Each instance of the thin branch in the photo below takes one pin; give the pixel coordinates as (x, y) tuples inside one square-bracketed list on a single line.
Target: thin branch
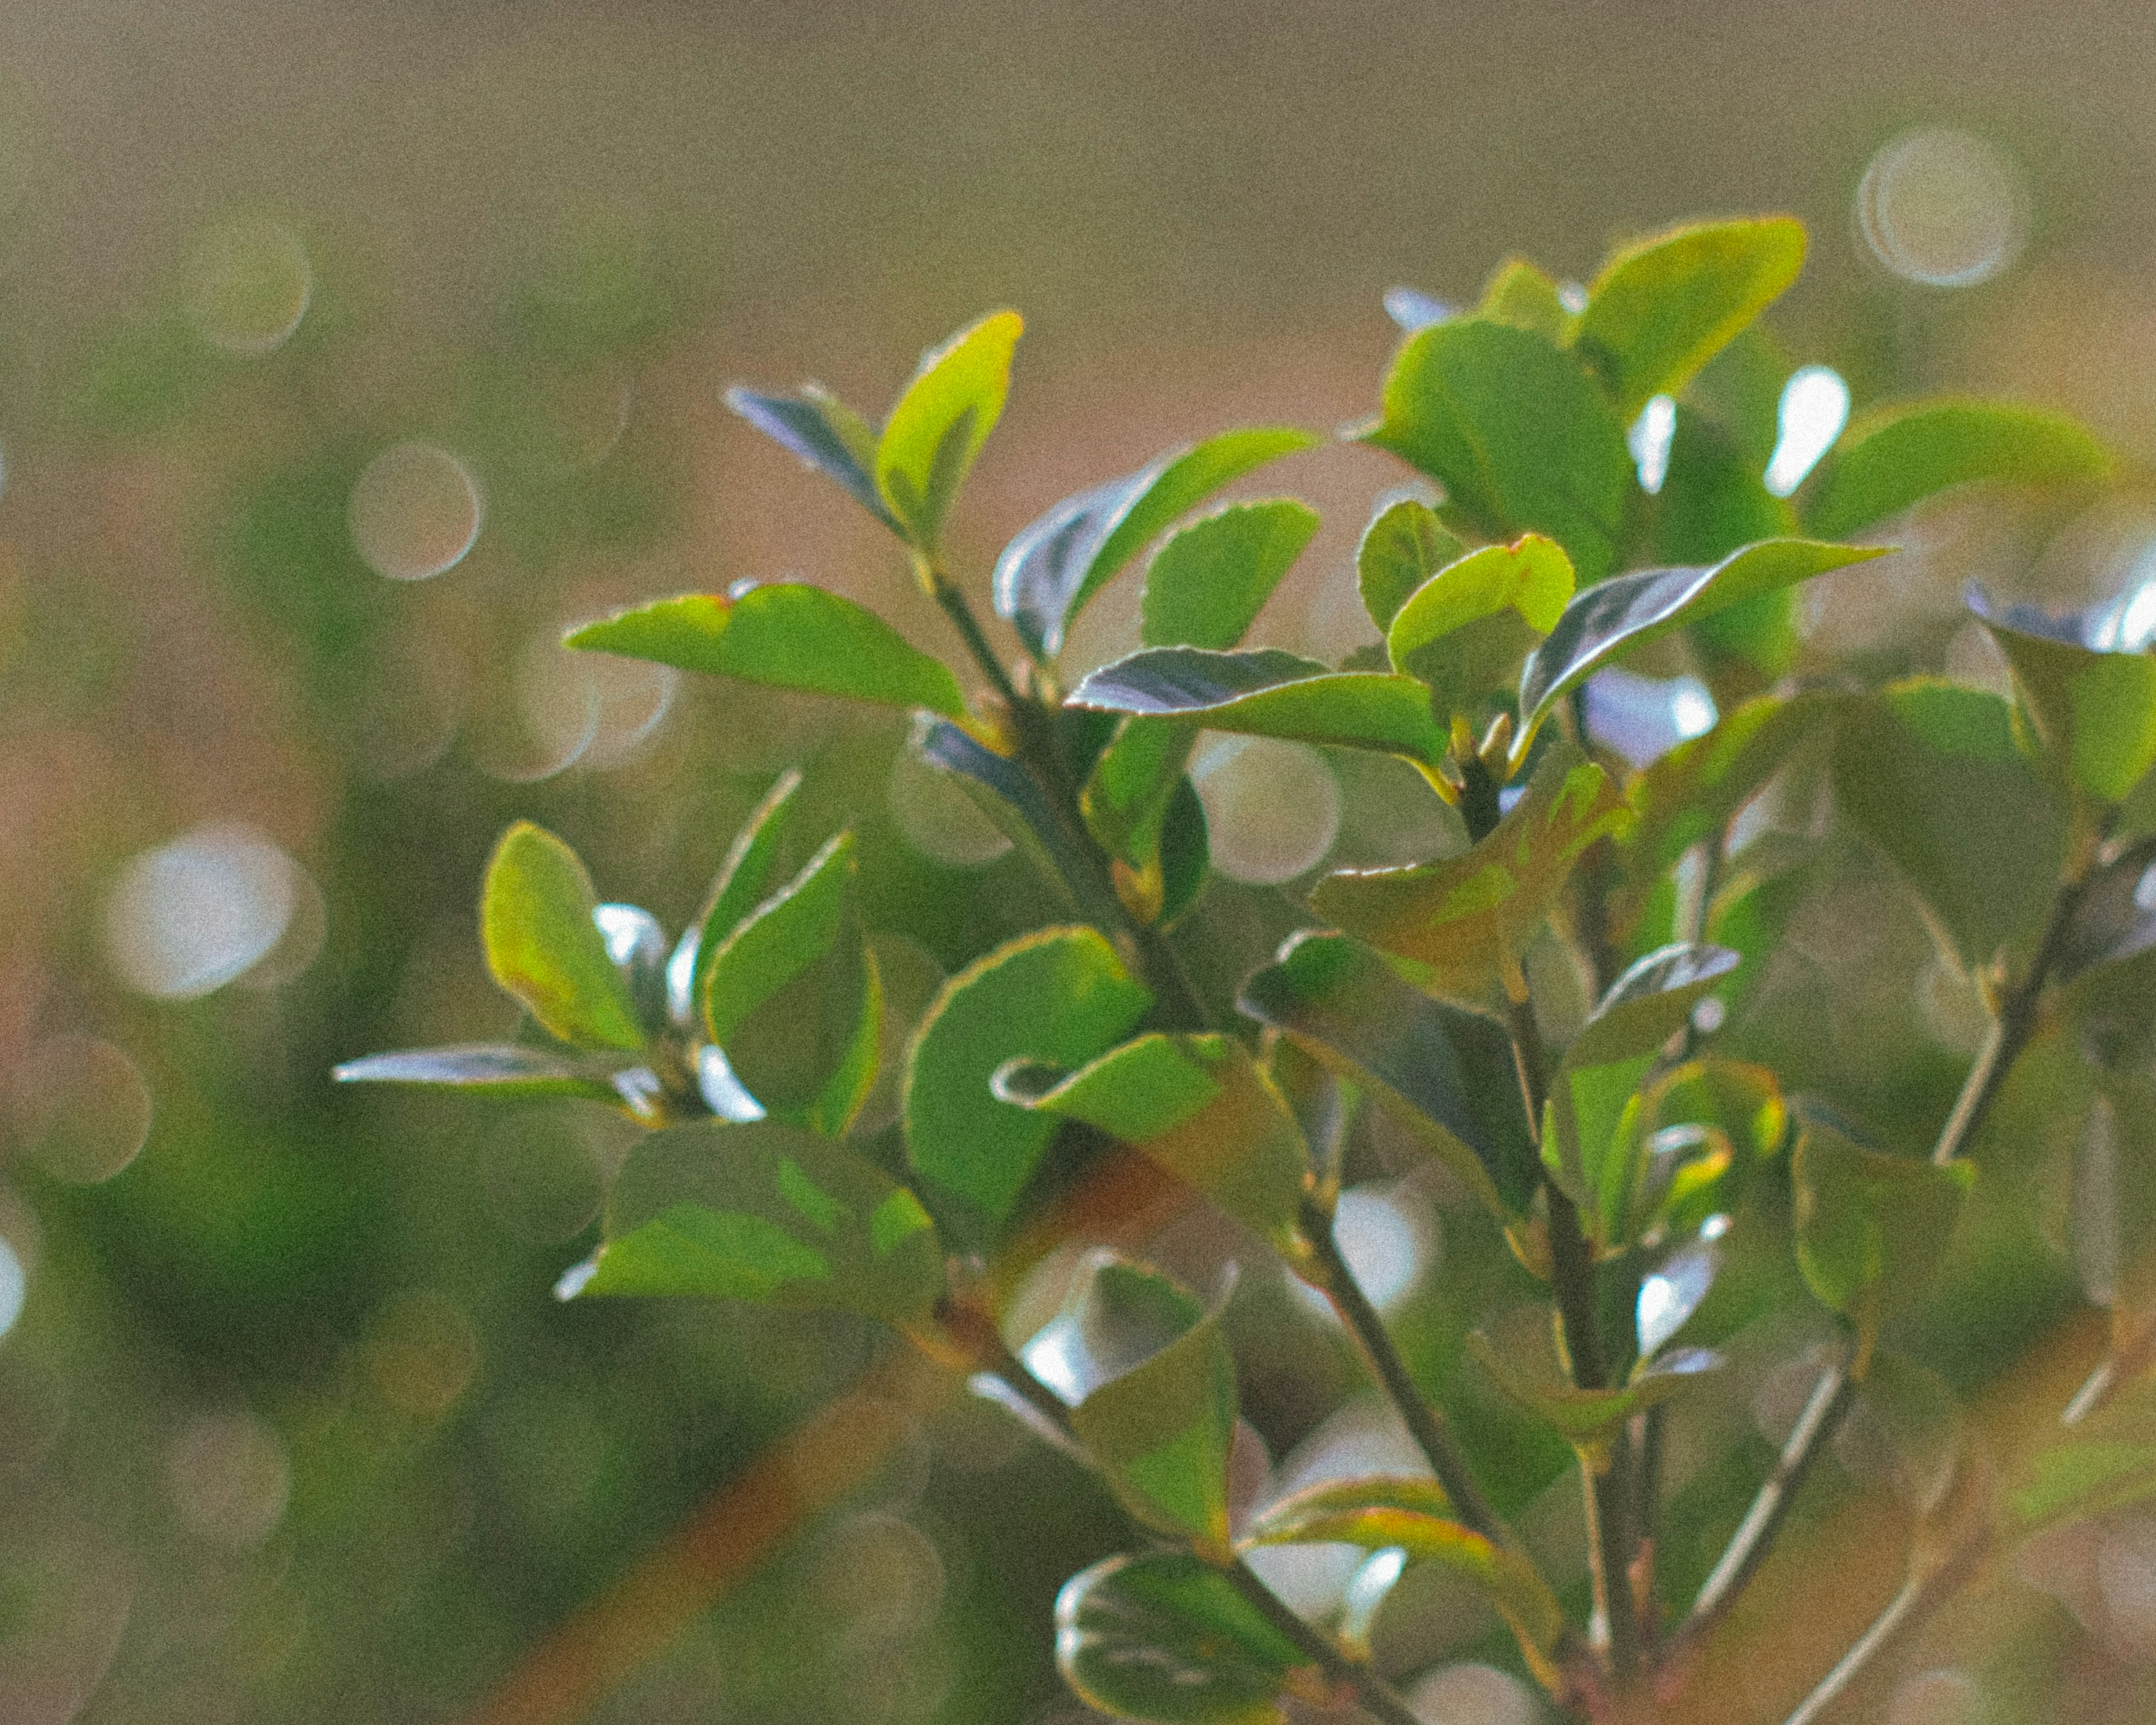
[(1884, 1628), (1377, 1697)]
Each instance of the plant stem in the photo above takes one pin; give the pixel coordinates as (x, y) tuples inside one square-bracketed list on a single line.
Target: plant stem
[(1376, 1697), (1883, 1630), (1425, 1424), (946, 593)]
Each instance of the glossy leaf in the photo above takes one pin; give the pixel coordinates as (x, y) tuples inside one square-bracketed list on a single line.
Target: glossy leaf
[(1059, 995), (1198, 1106), (637, 945), (1269, 693), (1928, 772), (1590, 1417), (1166, 1639), (1467, 918), (793, 998), (1331, 1510), (1889, 460), (1623, 614), (738, 888), (1521, 439), (543, 946), (2095, 710), (825, 433), (1872, 1228), (1671, 1291), (787, 635), (1160, 1423), (1048, 573), (769, 1213), (511, 1073), (1403, 546), (940, 422), (1444, 1072), (1208, 582), (1664, 306), (1466, 630)]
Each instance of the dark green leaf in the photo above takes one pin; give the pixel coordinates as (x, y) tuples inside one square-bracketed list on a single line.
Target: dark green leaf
[(1890, 460), (1928, 772), (1444, 1072), (1165, 1638), (824, 434), (512, 1074), (941, 421), (1466, 630), (543, 946), (2114, 919), (1269, 693), (766, 1213), (1589, 1417), (1664, 306), (1208, 582), (1517, 432), (2094, 709), (1403, 546), (1197, 1105), (1605, 623), (1125, 801), (1649, 1004), (1872, 1228), (1185, 853), (1060, 995), (1466, 919), (788, 635), (737, 889), (1047, 574), (792, 998)]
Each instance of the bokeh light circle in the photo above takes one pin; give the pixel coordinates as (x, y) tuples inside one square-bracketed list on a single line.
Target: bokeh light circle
[(1943, 207), (191, 915), (249, 286), (1935, 1697), (415, 512), (79, 1108), (1272, 809), (1471, 1695), (229, 1479)]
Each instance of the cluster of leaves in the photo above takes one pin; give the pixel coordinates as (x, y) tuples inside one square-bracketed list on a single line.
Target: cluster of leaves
[(1611, 1152)]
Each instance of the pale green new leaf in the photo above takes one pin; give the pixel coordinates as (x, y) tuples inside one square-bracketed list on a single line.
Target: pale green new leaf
[(543, 946), (940, 422), (1466, 630)]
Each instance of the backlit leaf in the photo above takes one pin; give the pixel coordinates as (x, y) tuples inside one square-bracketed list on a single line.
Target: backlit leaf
[(1520, 294), (1466, 630), (1207, 583), (738, 888), (787, 635), (1403, 546), (940, 422), (2094, 709), (543, 946), (1888, 461)]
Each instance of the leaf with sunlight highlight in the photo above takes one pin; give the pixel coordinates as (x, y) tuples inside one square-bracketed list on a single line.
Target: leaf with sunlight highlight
[(543, 946), (1208, 582), (825, 433), (1890, 460), (1466, 628), (939, 423)]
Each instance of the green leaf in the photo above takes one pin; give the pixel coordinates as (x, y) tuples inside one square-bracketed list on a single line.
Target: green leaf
[(512, 1074), (1928, 772), (1466, 630), (1520, 295), (1605, 623), (1592, 1100), (1125, 801), (825, 433), (1403, 546), (1519, 436), (1890, 460), (1166, 1639), (1208, 582), (1467, 918), (2095, 710), (1269, 693), (787, 635), (1047, 574), (794, 998), (737, 889), (1872, 1228), (543, 946), (1186, 854), (1664, 306), (2083, 1477), (1161, 1416), (1445, 1073), (1198, 1106), (766, 1213), (1059, 995), (1413, 1516), (941, 421), (1588, 1418)]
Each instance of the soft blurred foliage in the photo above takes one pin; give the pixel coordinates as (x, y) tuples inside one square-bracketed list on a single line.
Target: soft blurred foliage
[(346, 356)]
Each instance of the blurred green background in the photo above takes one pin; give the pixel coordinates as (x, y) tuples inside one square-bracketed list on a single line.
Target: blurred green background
[(345, 355)]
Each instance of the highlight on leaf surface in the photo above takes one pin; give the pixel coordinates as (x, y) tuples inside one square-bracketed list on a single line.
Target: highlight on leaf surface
[(1466, 630), (737, 890), (787, 635), (1051, 569), (1403, 546), (543, 946), (768, 1213), (2089, 687), (937, 427), (511, 1073)]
